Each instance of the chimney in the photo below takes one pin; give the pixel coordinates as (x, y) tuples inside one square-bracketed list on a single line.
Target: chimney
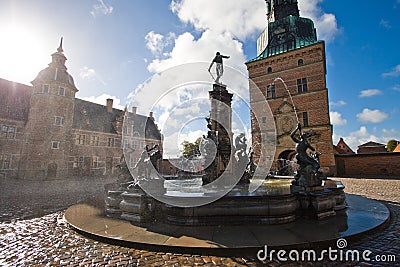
[(109, 105), (134, 109), (151, 115)]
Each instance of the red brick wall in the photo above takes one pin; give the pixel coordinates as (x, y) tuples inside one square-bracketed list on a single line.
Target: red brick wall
[(369, 165), (371, 150)]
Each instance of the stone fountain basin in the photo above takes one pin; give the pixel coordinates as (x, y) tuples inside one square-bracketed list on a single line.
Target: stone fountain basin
[(271, 203)]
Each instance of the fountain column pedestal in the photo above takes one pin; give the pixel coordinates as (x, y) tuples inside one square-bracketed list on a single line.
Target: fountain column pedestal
[(220, 130), (320, 202)]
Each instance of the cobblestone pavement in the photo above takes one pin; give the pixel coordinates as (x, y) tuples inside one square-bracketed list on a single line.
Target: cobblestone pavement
[(25, 199), (47, 240)]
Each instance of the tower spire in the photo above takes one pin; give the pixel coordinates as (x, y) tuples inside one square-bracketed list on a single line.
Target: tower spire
[(60, 49)]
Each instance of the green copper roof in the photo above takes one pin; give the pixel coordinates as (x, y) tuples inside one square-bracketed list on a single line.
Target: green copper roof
[(287, 34)]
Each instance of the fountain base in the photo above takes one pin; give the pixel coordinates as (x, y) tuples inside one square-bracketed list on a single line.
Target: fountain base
[(267, 205)]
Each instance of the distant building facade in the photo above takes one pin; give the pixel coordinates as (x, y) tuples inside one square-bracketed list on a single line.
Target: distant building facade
[(289, 49), (371, 148), (46, 132)]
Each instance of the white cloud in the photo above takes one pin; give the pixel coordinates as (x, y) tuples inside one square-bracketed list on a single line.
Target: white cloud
[(87, 73), (325, 23), (391, 134), (393, 73), (385, 24), (102, 100), (336, 119), (101, 8), (186, 49), (340, 103), (156, 42), (369, 93), (396, 87), (241, 18), (372, 116)]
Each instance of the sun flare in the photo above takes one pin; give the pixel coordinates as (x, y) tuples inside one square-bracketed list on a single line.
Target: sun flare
[(22, 55)]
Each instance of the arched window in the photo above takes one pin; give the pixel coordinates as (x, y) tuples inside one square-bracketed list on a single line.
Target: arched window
[(300, 62), (269, 70)]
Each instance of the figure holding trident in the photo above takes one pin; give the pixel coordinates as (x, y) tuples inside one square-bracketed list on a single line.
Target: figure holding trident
[(220, 68)]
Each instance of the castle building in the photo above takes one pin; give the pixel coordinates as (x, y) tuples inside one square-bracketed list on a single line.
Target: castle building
[(289, 49), (46, 132)]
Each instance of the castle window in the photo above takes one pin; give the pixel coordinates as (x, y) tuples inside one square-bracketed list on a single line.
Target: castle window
[(7, 132), (80, 139), (78, 162), (95, 162), (75, 163), (300, 62), (125, 130), (302, 85), (59, 121), (125, 143), (271, 93), (134, 144), (55, 145), (111, 142), (142, 144), (94, 140), (264, 119), (305, 119), (4, 162), (269, 70), (45, 88), (61, 91)]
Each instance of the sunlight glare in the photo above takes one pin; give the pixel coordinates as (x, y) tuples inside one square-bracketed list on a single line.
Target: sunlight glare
[(22, 55)]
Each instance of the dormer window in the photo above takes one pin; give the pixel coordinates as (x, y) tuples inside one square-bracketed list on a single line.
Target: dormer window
[(61, 91)]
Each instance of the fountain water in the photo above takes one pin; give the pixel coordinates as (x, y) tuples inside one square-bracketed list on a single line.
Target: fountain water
[(290, 95)]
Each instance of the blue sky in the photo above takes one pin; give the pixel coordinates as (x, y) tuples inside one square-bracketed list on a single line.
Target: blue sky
[(113, 46)]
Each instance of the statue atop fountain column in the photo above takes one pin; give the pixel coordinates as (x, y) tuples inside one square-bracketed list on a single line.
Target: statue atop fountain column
[(220, 67)]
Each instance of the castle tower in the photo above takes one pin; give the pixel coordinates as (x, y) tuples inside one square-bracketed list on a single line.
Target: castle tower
[(49, 125), (288, 49)]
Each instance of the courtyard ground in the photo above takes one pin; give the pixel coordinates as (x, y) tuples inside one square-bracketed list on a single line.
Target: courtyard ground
[(34, 233)]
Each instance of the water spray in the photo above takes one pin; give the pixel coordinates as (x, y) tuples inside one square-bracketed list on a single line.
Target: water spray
[(290, 95)]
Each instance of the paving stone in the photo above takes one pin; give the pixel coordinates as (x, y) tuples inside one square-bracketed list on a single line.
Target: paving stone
[(48, 241)]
